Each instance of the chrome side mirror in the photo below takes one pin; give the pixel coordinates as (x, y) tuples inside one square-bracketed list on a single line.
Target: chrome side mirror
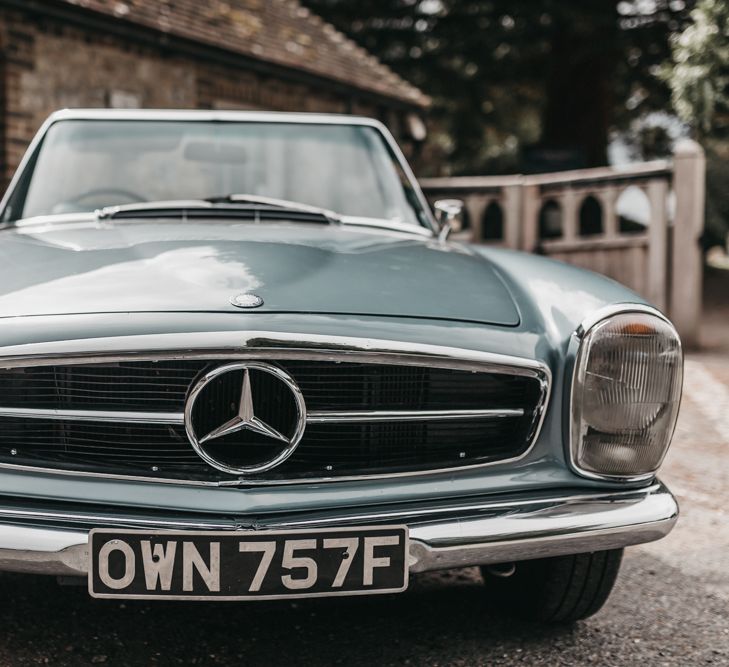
[(449, 215)]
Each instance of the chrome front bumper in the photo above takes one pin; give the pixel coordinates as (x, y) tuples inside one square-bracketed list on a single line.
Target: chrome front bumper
[(447, 535)]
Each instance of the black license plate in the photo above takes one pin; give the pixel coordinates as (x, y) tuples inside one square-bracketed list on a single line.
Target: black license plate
[(207, 565)]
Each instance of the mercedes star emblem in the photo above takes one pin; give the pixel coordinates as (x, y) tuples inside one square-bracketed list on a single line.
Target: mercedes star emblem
[(222, 405), (246, 300)]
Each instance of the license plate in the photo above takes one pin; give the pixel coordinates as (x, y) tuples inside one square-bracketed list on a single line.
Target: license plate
[(209, 565)]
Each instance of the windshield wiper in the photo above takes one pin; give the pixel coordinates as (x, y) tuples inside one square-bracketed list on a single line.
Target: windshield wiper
[(274, 203), (331, 216), (250, 207)]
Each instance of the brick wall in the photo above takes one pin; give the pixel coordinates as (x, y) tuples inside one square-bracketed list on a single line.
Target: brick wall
[(47, 65)]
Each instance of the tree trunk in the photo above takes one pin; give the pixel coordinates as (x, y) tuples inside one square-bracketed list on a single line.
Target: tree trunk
[(579, 99)]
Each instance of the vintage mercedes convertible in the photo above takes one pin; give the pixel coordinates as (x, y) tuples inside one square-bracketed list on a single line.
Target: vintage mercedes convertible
[(241, 359)]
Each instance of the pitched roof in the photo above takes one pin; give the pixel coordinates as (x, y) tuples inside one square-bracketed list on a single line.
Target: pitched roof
[(276, 31)]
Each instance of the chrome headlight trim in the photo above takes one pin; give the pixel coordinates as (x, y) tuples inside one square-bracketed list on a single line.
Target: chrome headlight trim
[(617, 309), (587, 324)]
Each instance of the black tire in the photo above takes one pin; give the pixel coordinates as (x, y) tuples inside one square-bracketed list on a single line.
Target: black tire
[(563, 589)]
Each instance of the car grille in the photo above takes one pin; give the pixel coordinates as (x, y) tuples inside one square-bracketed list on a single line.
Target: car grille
[(64, 416)]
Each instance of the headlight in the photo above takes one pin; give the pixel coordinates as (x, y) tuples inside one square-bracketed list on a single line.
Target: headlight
[(626, 392)]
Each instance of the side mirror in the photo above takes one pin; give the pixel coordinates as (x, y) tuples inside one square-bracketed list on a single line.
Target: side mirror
[(449, 215)]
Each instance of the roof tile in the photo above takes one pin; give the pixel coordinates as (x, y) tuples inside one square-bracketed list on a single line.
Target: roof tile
[(277, 31)]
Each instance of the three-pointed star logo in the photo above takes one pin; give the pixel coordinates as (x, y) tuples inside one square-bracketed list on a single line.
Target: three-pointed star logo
[(245, 419)]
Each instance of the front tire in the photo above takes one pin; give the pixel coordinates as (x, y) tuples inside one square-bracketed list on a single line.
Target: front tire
[(562, 589)]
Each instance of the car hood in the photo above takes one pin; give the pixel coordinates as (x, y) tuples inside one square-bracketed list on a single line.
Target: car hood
[(87, 267)]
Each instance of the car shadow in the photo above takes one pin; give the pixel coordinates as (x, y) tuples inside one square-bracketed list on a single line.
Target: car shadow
[(656, 615), (438, 613)]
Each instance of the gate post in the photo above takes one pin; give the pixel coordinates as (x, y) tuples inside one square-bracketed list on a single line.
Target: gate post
[(530, 206), (512, 207), (689, 174), (657, 279)]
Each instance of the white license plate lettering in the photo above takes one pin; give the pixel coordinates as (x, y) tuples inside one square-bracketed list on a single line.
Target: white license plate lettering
[(370, 560), (293, 562), (350, 546), (268, 549), (129, 570), (193, 562), (158, 563), (233, 565)]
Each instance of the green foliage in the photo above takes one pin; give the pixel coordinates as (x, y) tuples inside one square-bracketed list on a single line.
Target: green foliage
[(698, 76), (699, 73), (507, 75)]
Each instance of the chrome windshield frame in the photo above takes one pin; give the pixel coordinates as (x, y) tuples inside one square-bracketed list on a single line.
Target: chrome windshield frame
[(221, 116)]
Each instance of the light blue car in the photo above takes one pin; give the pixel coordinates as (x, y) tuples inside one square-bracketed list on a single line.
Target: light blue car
[(240, 359)]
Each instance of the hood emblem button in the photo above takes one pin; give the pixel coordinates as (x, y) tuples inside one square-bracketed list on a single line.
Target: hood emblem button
[(246, 301)]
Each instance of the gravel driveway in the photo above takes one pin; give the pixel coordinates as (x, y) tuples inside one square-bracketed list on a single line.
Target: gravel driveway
[(670, 606)]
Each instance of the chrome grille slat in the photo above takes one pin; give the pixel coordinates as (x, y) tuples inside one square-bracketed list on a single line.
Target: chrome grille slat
[(315, 417), (95, 416), (332, 417)]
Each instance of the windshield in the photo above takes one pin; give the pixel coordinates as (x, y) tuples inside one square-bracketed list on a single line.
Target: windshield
[(83, 165)]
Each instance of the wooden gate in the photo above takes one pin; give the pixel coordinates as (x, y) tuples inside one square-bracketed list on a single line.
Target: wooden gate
[(640, 225)]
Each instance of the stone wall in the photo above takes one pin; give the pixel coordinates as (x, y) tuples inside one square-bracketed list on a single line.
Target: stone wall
[(48, 65)]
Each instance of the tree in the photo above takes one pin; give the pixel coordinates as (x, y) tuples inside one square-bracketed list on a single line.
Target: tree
[(698, 76), (699, 72), (506, 76)]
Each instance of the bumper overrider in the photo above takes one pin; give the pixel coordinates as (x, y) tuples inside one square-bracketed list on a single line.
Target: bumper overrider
[(450, 534)]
